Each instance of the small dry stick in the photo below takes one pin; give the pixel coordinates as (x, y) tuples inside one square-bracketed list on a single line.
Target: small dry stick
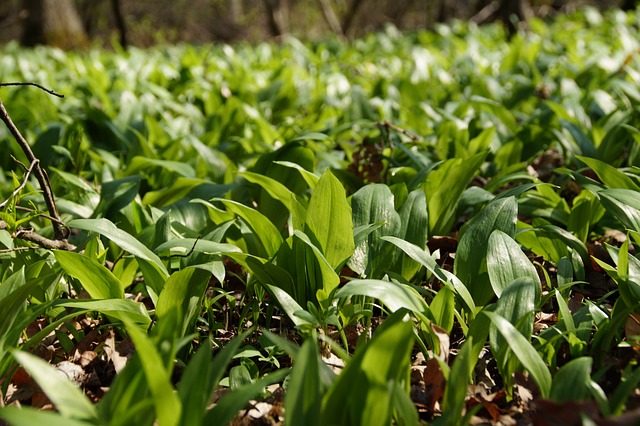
[(400, 130), (28, 83), (60, 231), (33, 237), (22, 185)]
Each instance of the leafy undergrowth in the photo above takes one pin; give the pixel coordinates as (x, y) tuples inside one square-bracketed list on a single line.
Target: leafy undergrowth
[(437, 227)]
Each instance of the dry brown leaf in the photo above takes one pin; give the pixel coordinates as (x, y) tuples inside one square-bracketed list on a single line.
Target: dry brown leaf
[(434, 382)]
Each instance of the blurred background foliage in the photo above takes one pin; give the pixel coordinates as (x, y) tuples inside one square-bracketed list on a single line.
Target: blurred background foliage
[(84, 23)]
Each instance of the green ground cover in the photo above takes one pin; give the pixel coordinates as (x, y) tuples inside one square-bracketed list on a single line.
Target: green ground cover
[(436, 227)]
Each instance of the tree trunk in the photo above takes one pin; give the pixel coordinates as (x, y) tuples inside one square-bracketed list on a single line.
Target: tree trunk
[(277, 16), (628, 5), (330, 17), (512, 12), (53, 22), (116, 7)]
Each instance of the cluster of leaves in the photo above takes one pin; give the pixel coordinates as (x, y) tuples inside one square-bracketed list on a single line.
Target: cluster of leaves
[(437, 213)]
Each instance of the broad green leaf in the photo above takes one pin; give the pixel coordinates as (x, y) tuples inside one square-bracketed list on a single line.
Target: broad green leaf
[(329, 222), (624, 204), (96, 279), (195, 245), (182, 294), (393, 295), (165, 400), (421, 256), (443, 189), (310, 178), (288, 305), (123, 239), (455, 393), (266, 232), (526, 353), (470, 264), (443, 308), (506, 262), (325, 279), (200, 379), (572, 381), (120, 309), (66, 396), (414, 226), (117, 194), (305, 388), (567, 238), (628, 385), (517, 305), (141, 165), (27, 416), (609, 175), (281, 193), (229, 405), (374, 204), (376, 369)]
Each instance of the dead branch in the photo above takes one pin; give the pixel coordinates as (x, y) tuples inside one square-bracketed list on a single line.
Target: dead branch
[(390, 126), (60, 231), (28, 83), (31, 236)]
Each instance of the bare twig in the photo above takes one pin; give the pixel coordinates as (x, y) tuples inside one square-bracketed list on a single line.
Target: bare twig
[(22, 185), (28, 83), (33, 237), (390, 126), (11, 250), (60, 231)]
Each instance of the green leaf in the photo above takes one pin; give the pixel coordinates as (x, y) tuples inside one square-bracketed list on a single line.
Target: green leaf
[(281, 193), (443, 308), (470, 264), (329, 222), (374, 204), (414, 226), (182, 294), (453, 400), (229, 405), (266, 232), (517, 305), (609, 175), (305, 388), (572, 381), (123, 239), (443, 189), (66, 396), (120, 309), (624, 204), (526, 353), (30, 416), (419, 255), (377, 370), (506, 262), (196, 245), (165, 400), (99, 282)]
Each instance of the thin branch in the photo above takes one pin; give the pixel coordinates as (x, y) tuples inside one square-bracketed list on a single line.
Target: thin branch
[(27, 83), (47, 243), (60, 231), (33, 237), (22, 185), (390, 126), (11, 250)]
